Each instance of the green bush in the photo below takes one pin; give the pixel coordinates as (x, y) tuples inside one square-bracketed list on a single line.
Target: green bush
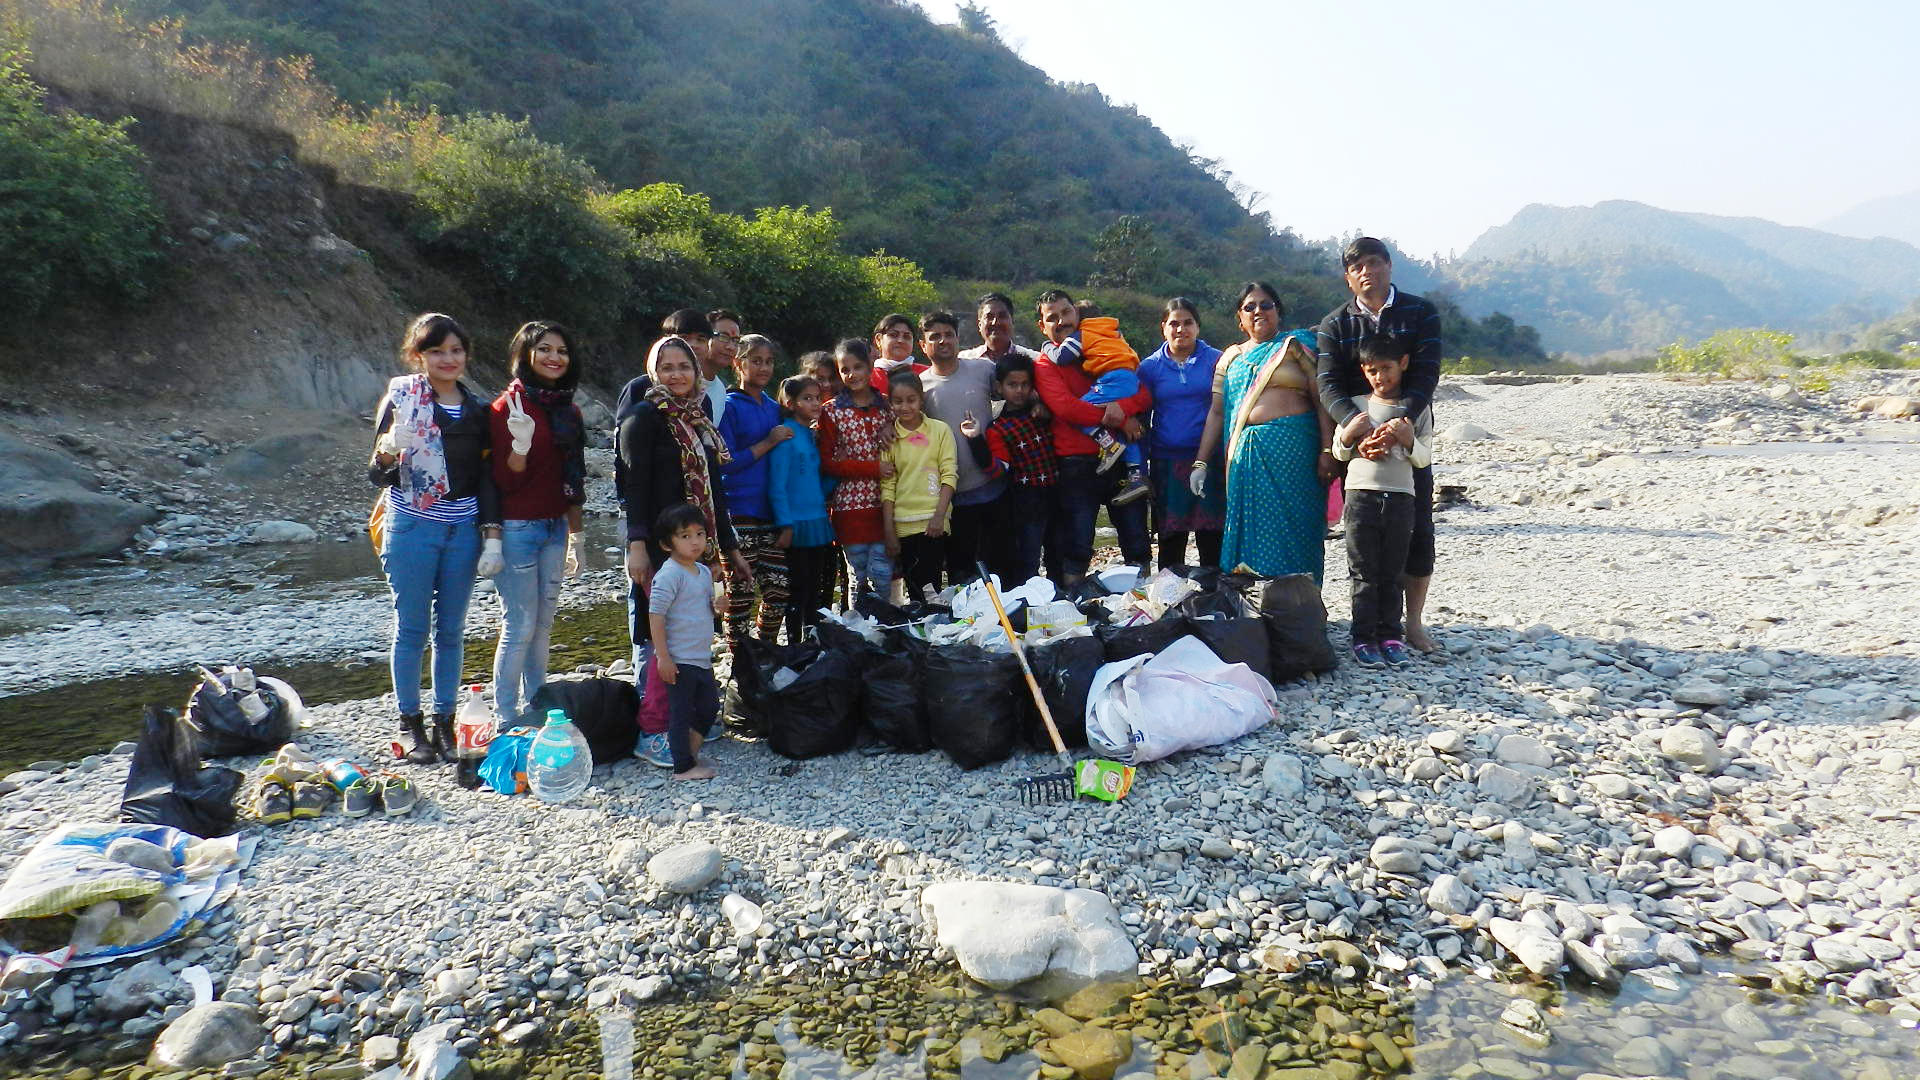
[(783, 269), (521, 210), (76, 214)]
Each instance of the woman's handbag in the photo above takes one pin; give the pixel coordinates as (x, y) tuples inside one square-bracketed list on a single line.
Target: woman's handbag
[(377, 522)]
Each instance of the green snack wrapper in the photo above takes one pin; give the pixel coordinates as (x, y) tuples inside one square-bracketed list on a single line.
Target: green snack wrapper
[(1108, 781)]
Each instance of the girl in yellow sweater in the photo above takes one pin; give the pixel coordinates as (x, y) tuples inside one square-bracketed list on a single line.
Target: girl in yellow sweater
[(914, 500)]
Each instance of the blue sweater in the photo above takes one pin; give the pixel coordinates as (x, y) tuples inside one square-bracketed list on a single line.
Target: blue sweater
[(1182, 394), (746, 421), (799, 489)]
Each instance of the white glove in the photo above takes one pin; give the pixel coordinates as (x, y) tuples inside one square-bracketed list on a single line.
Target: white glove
[(576, 554), (519, 425), (385, 445), (400, 437), (1197, 480), (491, 561)]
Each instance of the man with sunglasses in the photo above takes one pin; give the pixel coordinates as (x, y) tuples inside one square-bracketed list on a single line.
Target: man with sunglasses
[(1378, 309)]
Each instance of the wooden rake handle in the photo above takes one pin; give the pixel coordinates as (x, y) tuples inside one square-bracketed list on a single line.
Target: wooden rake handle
[(1033, 684)]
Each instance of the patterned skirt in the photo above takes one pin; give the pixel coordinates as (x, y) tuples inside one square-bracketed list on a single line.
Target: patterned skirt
[(1174, 507), (1276, 508)]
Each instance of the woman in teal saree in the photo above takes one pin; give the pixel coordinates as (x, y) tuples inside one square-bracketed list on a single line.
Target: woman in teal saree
[(1265, 406)]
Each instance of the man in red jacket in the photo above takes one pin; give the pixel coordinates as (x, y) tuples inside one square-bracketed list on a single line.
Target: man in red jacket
[(1081, 488)]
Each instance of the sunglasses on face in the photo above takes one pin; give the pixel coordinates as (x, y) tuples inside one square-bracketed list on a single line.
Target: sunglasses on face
[(1252, 306)]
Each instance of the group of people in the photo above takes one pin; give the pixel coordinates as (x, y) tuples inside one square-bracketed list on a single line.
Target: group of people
[(897, 472)]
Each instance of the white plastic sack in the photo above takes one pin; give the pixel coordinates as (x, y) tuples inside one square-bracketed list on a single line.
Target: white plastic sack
[(1149, 707), (1118, 579)]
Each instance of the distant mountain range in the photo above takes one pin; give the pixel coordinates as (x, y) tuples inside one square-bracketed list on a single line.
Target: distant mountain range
[(1897, 216), (1623, 275)]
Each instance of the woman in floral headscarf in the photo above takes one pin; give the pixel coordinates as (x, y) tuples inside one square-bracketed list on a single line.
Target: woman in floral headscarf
[(669, 452)]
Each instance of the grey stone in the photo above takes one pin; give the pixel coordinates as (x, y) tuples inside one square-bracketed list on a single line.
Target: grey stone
[(280, 532), (1213, 847), (1449, 895), (206, 1035), (627, 860), (1705, 695), (1523, 750), (379, 1051), (1005, 934), (1537, 950), (1692, 747), (1503, 785), (1840, 955), (1754, 893), (54, 510), (1674, 841), (1587, 960), (686, 868), (1283, 774), (1395, 855), (1447, 741), (1612, 785), (132, 990), (1643, 1055)]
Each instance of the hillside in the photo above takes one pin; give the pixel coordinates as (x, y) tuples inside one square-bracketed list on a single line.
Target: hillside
[(1624, 275), (933, 142), (1896, 216)]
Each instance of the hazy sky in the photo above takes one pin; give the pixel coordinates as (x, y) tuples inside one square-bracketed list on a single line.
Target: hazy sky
[(1429, 122)]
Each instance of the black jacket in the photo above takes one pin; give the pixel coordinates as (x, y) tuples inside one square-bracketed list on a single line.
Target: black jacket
[(1411, 320), (647, 471), (467, 442)]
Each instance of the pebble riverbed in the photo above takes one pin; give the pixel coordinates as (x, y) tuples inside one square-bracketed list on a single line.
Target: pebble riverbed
[(1674, 719)]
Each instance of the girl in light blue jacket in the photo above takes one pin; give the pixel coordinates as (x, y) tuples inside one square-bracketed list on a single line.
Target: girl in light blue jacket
[(798, 490)]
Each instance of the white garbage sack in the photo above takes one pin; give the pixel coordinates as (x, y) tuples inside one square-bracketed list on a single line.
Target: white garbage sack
[(1152, 706)]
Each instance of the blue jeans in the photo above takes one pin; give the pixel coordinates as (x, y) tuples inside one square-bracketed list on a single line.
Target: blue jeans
[(871, 570), (1108, 388), (1078, 498), (1026, 513), (430, 570), (536, 555)]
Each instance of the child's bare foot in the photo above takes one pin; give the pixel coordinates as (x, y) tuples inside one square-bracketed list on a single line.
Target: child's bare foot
[(698, 772), (1418, 638)]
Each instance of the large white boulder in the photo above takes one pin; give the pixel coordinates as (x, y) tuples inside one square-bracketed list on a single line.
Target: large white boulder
[(1005, 934)]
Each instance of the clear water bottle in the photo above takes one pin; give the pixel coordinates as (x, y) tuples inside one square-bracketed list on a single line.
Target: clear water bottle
[(559, 762)]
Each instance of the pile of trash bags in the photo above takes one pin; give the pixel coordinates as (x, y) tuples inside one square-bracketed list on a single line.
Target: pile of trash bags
[(943, 675), (91, 893)]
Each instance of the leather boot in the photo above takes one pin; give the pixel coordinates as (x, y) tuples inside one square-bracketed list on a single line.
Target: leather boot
[(442, 737), (421, 750)]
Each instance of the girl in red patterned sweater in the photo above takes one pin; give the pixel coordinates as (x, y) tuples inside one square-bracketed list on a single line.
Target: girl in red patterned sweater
[(854, 431)]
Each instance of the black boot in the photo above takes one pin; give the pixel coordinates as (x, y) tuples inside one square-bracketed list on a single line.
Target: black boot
[(442, 736), (421, 752)]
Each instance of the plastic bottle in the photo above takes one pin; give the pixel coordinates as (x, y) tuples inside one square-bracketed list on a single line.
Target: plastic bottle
[(744, 914), (342, 773), (559, 762), (473, 729)]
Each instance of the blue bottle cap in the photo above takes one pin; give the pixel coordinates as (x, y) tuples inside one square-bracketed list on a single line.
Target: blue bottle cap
[(556, 716)]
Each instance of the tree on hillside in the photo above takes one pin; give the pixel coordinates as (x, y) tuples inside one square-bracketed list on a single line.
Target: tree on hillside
[(975, 20), (1125, 253), (76, 213)]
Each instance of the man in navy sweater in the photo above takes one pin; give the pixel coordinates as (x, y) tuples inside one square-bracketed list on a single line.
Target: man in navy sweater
[(1377, 308)]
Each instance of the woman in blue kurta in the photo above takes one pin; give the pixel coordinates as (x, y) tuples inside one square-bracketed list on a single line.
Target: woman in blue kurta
[(1277, 438), (1180, 375)]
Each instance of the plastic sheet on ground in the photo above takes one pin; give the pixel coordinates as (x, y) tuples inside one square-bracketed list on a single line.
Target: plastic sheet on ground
[(69, 871), (971, 602), (1146, 708)]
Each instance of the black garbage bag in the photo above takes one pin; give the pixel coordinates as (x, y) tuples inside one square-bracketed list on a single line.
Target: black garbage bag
[(1122, 642), (973, 700), (817, 714), (1296, 621), (221, 727), (889, 685), (603, 710), (1064, 669), (749, 699), (167, 784), (813, 715), (1236, 641), (1220, 602)]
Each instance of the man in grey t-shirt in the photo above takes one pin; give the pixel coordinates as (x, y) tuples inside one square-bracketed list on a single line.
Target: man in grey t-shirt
[(958, 387)]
